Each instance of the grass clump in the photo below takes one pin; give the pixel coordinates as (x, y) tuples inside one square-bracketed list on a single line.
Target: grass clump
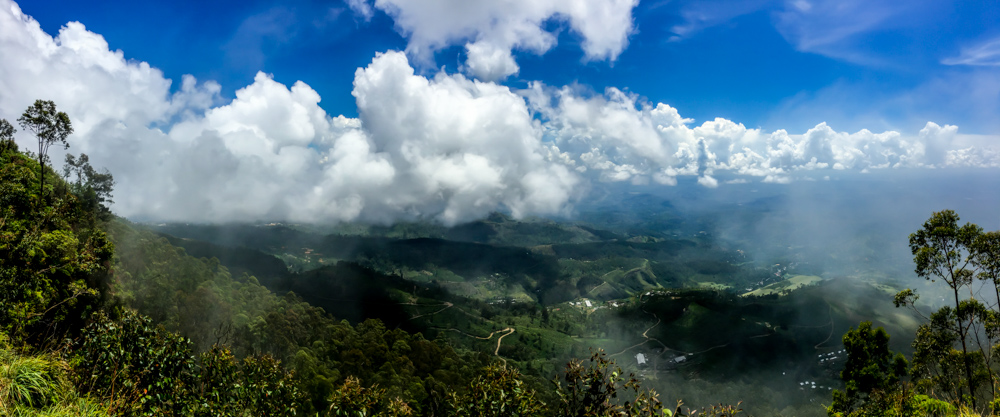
[(37, 386)]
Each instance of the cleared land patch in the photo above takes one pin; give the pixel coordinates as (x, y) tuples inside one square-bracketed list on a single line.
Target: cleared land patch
[(790, 284)]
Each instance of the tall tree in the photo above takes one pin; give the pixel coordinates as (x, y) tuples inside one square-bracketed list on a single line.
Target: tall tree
[(6, 133), (870, 367), (49, 126), (986, 256), (92, 187), (944, 250)]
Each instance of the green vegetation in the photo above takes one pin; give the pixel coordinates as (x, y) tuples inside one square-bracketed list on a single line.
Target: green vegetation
[(49, 127), (39, 386), (53, 256), (870, 367)]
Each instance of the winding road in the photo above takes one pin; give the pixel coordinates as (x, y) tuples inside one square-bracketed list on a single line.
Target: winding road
[(446, 305), (645, 334), (496, 352)]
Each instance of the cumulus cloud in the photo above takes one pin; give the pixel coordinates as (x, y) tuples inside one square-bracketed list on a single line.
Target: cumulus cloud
[(487, 61), (474, 143), (445, 148), (491, 30), (708, 181), (614, 134)]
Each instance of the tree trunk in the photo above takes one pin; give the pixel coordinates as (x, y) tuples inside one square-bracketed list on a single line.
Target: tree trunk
[(965, 351), (989, 366), (41, 175)]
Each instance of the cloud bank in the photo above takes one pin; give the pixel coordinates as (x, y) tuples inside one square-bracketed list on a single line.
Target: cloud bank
[(623, 138), (446, 148)]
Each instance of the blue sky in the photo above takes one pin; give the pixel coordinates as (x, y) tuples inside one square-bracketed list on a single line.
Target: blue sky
[(446, 110), (754, 62)]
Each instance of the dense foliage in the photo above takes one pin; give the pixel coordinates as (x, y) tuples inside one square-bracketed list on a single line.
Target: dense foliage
[(54, 257), (871, 368)]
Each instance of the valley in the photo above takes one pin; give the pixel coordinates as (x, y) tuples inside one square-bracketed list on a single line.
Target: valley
[(677, 306)]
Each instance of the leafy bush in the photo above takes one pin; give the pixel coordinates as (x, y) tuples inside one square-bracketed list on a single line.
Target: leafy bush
[(354, 400), (497, 391)]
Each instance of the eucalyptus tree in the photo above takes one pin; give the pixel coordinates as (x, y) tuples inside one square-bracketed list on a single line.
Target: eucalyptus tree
[(943, 250), (986, 257), (49, 126), (92, 187), (871, 373), (6, 133)]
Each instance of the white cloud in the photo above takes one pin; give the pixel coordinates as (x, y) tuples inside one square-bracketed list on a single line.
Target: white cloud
[(614, 134), (361, 8), (447, 147), (973, 157), (619, 137), (708, 181), (488, 62), (828, 27), (78, 72), (850, 30), (699, 15), (474, 143), (840, 29), (986, 53), (491, 30), (777, 179)]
